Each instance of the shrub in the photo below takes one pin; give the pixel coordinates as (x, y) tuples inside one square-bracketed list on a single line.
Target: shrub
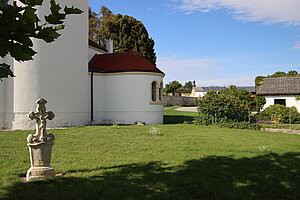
[(241, 125), (216, 108), (279, 114)]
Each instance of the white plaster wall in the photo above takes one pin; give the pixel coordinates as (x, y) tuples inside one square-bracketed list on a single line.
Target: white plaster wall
[(2, 100), (6, 95), (98, 97), (197, 94), (127, 99), (290, 101), (59, 73)]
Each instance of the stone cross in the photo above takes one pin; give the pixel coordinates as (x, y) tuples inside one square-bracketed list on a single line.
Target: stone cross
[(40, 116), (40, 144)]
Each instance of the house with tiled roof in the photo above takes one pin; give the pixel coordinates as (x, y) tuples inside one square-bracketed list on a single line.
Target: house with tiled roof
[(281, 90)]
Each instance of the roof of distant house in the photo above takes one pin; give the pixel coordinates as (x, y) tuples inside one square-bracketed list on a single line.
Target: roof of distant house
[(218, 88), (279, 86), (121, 62), (205, 89)]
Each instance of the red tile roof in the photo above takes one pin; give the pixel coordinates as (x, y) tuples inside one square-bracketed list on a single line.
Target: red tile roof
[(121, 62)]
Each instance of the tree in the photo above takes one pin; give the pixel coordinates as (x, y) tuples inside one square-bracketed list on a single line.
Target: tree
[(19, 24), (94, 26), (278, 74), (96, 21), (292, 73), (172, 87), (189, 86), (129, 34)]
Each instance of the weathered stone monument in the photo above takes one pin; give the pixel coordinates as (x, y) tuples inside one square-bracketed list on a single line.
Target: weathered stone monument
[(40, 144)]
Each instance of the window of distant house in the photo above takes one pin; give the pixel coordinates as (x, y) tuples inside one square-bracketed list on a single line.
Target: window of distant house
[(153, 91), (280, 101), (160, 90)]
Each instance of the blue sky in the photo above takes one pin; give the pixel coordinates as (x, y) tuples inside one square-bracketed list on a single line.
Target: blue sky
[(218, 42)]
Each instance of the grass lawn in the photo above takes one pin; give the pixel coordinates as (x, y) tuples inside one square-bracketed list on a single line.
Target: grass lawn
[(172, 116), (183, 161)]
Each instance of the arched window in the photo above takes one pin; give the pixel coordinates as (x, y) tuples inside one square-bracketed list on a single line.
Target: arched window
[(160, 91), (153, 91)]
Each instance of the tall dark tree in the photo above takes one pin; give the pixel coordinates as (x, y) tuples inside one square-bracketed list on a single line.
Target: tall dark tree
[(19, 24), (129, 34)]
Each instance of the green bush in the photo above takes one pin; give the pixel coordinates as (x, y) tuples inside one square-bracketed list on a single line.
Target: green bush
[(280, 114), (241, 125), (223, 107)]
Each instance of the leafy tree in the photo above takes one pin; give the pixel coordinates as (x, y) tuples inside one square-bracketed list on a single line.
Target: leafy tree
[(96, 22), (129, 34), (172, 87), (94, 26), (278, 74), (189, 86), (106, 14), (260, 102), (292, 73), (19, 24)]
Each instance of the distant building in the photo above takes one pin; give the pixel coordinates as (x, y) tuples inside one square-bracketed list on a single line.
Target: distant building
[(202, 91), (282, 90)]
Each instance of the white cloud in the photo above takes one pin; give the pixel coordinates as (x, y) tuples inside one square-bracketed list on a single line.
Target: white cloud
[(297, 45), (185, 69), (226, 81), (266, 11), (206, 72)]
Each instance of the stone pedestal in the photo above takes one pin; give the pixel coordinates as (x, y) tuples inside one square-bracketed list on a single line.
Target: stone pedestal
[(40, 156)]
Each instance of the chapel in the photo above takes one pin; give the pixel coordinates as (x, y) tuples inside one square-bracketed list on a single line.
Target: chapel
[(82, 82)]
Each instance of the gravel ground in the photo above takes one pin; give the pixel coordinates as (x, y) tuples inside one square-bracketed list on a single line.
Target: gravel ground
[(188, 109)]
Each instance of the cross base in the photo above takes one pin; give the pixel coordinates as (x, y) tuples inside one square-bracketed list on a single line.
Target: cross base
[(39, 173)]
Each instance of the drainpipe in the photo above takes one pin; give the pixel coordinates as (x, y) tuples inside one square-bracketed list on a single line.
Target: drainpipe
[(92, 97)]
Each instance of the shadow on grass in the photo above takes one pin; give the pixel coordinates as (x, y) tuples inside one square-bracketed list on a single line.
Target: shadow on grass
[(177, 119), (269, 176)]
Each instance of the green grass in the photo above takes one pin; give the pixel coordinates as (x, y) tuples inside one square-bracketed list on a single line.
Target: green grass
[(183, 161), (282, 126), (172, 116)]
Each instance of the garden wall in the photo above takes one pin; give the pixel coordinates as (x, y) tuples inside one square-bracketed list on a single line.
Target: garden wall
[(178, 101)]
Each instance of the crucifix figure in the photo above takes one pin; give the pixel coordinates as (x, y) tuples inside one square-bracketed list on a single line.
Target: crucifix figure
[(40, 116)]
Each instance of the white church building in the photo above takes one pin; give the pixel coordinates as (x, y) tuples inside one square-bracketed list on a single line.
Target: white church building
[(82, 83)]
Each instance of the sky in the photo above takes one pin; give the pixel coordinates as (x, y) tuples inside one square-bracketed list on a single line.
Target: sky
[(218, 42)]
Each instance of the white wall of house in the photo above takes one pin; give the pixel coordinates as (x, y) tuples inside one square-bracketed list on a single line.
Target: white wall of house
[(197, 94), (58, 73), (127, 98), (2, 99), (289, 99)]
